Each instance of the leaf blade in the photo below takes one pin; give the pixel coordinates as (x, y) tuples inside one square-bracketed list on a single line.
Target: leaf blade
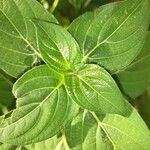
[(94, 89), (111, 129), (107, 36), (48, 107), (61, 56)]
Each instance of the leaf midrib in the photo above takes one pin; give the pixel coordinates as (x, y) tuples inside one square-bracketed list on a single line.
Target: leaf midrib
[(102, 124)]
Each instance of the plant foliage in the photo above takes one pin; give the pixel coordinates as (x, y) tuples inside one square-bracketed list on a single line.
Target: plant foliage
[(72, 86)]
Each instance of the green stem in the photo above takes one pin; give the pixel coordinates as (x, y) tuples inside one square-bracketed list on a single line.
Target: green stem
[(42, 1), (54, 5)]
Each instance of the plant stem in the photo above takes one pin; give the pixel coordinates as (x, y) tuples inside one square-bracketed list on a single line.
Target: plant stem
[(54, 5), (42, 1)]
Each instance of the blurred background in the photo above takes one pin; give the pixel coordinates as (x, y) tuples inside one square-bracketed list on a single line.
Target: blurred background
[(67, 10)]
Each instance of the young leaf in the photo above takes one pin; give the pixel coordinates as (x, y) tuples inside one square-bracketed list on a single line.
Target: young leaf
[(113, 34), (43, 107), (94, 89), (137, 74), (87, 131), (58, 48), (18, 35)]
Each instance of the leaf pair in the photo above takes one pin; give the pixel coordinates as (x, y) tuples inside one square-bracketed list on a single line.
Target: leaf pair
[(46, 101), (111, 36)]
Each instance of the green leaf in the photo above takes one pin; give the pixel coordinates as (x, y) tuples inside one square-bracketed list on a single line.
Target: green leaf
[(43, 107), (88, 131), (58, 48), (6, 84), (113, 34), (136, 77), (94, 89), (18, 35)]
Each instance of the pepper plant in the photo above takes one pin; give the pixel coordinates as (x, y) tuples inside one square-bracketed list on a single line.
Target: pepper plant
[(72, 88)]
